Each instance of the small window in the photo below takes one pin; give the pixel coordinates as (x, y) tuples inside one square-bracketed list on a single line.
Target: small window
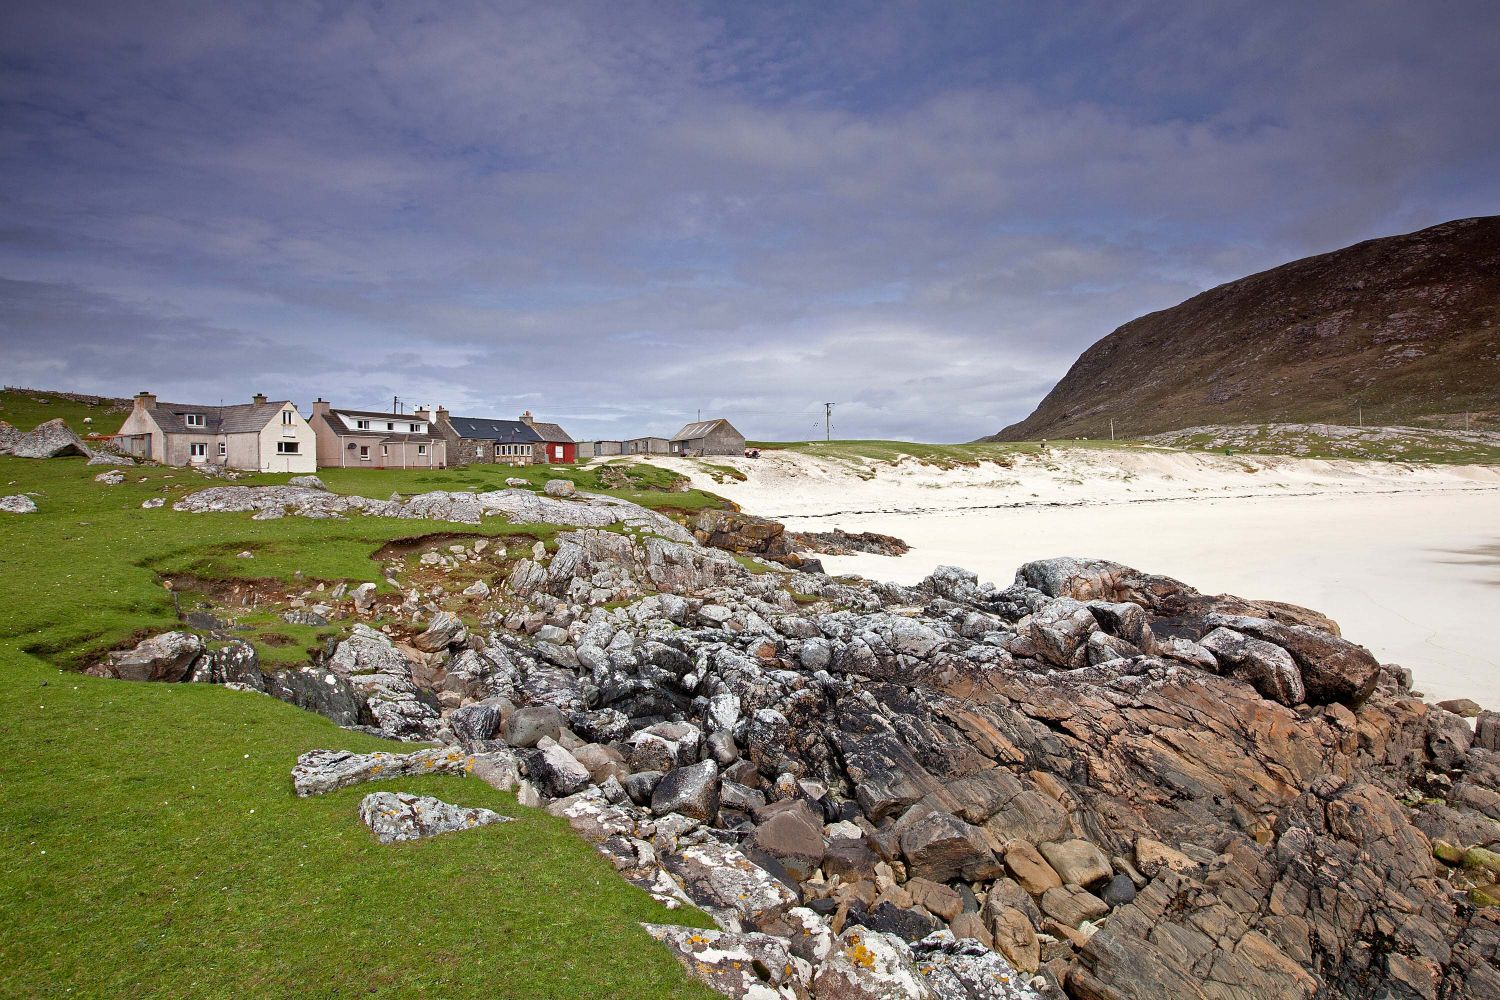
[(499, 450), (288, 448), (362, 425), (364, 453), (421, 449), (385, 450), (197, 450), (193, 419), (223, 448), (286, 416), (416, 428), (390, 425)]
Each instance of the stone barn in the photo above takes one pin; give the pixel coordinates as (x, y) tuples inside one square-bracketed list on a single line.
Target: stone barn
[(708, 437)]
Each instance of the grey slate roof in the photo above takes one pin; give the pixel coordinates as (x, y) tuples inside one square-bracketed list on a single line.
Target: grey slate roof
[(551, 433), (701, 429), (237, 418), (501, 431)]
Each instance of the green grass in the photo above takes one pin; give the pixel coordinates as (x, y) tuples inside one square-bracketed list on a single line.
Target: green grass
[(1372, 444), (25, 408), (153, 844)]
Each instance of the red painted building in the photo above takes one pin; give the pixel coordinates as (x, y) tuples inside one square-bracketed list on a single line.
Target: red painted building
[(555, 447)]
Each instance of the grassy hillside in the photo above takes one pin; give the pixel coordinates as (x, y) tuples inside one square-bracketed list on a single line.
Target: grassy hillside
[(25, 408), (938, 455), (154, 845), (1405, 328), (1374, 444)]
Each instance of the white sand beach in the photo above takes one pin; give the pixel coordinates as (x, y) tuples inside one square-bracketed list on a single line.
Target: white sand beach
[(1405, 558)]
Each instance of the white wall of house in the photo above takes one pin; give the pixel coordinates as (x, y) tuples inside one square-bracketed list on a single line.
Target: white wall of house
[(398, 425), (285, 447)]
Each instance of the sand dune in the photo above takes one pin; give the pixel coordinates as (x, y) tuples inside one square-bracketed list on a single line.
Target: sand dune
[(1404, 557)]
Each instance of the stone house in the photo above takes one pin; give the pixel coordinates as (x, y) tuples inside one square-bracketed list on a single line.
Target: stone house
[(708, 437), (262, 435), (555, 446), (482, 441), (371, 440)]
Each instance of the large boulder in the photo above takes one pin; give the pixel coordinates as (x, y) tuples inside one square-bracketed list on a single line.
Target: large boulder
[(1077, 861), (382, 675), (397, 816), (869, 965), (52, 439), (1060, 630), (737, 965), (939, 846), (166, 657), (443, 631), (727, 885), (557, 770), (526, 727), (691, 791), (1333, 669), (320, 771), (1265, 666), (794, 837)]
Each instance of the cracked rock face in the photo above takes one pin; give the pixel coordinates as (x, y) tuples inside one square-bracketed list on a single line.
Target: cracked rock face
[(397, 816)]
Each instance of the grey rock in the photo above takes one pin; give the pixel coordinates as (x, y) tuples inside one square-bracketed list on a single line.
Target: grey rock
[(397, 816), (691, 791), (1265, 666), (319, 771), (17, 503), (307, 482), (52, 439), (559, 488), (443, 631), (475, 722), (556, 770), (737, 965), (724, 882), (526, 727), (1119, 891), (166, 657)]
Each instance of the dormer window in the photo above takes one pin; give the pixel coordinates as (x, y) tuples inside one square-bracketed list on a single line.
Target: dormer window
[(390, 425), (416, 428), (362, 425), (193, 419)]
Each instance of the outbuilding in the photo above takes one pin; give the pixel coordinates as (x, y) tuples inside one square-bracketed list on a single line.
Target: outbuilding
[(708, 437)]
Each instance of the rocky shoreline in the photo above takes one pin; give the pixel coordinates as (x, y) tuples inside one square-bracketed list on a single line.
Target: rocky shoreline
[(1093, 782)]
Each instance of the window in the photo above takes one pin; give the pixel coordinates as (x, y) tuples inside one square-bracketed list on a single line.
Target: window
[(416, 428), (364, 453), (385, 450), (197, 450), (362, 425), (421, 449), (390, 425), (557, 451), (223, 448), (288, 448), (499, 450), (286, 416), (193, 419)]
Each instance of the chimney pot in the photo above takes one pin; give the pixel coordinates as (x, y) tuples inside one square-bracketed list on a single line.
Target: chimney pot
[(259, 399)]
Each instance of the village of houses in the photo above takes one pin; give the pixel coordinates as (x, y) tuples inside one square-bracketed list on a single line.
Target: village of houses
[(266, 435)]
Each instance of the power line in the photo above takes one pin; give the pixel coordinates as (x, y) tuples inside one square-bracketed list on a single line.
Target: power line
[(828, 421)]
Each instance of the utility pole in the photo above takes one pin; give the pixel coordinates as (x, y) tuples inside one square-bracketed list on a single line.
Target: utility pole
[(1361, 416), (827, 422), (1111, 428), (395, 404)]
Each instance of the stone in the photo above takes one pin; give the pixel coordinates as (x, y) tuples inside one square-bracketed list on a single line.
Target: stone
[(478, 589), (52, 439), (1119, 891), (307, 482), (640, 785), (443, 630), (363, 597), (298, 616), (966, 970), (1465, 707), (559, 488), (112, 478), (319, 771), (1015, 938), (1487, 730), (556, 770), (1060, 630), (1153, 858), (166, 657), (868, 965), (941, 900), (1332, 668), (603, 763), (940, 846), (737, 965), (17, 503), (1077, 861), (1029, 868), (153, 503), (1072, 905), (396, 816), (794, 837), (526, 727), (382, 676), (726, 884), (1263, 665), (691, 791)]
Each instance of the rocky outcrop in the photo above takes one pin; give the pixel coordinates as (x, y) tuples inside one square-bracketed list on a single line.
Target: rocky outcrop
[(1092, 780), (396, 816), (839, 542)]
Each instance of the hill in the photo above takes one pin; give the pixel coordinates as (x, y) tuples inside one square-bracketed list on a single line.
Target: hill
[(1399, 330)]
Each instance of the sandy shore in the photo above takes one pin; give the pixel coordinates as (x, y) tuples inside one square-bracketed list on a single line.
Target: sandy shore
[(1406, 559)]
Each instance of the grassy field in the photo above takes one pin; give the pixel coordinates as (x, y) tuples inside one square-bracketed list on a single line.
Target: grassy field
[(154, 847), (25, 408), (937, 455), (1371, 444)]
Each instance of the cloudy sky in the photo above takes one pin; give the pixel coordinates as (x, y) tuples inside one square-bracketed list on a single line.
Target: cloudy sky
[(618, 214)]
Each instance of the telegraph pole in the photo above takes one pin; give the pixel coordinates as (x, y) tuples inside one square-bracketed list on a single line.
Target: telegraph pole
[(1111, 429), (827, 421)]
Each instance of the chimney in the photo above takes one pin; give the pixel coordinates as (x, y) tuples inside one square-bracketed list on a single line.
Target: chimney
[(442, 414), (526, 418), (320, 405), (144, 399), (425, 412), (259, 399)]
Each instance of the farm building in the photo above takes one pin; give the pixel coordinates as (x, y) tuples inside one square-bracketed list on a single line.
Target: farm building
[(708, 437), (600, 449), (260, 436), (482, 441), (647, 446)]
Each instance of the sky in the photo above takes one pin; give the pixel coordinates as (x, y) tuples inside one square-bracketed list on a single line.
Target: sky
[(619, 215)]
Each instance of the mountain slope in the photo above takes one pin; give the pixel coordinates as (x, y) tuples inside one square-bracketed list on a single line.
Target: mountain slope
[(1406, 328)]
